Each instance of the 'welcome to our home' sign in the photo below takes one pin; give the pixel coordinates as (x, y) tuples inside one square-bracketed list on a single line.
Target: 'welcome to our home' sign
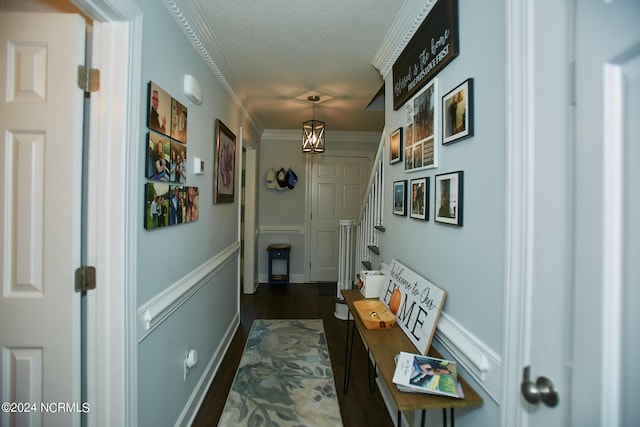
[(416, 302), (431, 48)]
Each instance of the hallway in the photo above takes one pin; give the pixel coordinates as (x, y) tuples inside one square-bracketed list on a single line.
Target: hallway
[(359, 407)]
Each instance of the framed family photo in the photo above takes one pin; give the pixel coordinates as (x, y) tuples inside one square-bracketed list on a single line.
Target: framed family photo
[(457, 113), (448, 200), (419, 190), (159, 108), (400, 198), (395, 146), (179, 116), (224, 175)]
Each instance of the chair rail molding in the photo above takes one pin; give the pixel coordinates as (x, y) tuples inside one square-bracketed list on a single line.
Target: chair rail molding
[(152, 313), (474, 356)]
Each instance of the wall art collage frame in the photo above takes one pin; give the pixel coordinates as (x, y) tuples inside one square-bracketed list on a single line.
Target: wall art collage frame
[(168, 201), (430, 120), (419, 141)]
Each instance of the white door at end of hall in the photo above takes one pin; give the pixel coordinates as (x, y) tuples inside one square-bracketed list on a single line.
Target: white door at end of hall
[(40, 216), (338, 186)]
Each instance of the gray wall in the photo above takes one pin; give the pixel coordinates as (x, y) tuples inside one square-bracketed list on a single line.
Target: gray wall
[(170, 255), (282, 213), (467, 261)]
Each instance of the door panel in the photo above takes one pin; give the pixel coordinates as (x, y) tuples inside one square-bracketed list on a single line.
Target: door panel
[(608, 101), (40, 213), (582, 242), (338, 185)]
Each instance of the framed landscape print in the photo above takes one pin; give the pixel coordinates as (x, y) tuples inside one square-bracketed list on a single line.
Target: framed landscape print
[(448, 200), (224, 174), (457, 113), (419, 190), (395, 146), (421, 148), (400, 198)]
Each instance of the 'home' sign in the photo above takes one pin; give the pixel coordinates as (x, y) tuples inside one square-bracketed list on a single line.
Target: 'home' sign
[(416, 302)]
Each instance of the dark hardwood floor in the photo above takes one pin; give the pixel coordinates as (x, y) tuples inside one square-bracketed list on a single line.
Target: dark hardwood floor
[(359, 407)]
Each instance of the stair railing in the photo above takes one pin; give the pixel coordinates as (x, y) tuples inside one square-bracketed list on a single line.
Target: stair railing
[(367, 227)]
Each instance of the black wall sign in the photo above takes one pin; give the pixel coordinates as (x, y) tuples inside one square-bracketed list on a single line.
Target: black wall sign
[(431, 48)]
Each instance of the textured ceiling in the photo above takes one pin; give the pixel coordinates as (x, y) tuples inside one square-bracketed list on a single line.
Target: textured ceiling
[(275, 53)]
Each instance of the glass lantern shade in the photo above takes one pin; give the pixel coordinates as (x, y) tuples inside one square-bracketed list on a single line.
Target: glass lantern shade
[(313, 136)]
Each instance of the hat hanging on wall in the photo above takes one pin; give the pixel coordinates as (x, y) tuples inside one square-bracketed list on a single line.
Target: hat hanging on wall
[(281, 180), (271, 179), (292, 178)]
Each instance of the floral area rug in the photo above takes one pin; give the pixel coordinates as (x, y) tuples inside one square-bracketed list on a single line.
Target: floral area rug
[(284, 378)]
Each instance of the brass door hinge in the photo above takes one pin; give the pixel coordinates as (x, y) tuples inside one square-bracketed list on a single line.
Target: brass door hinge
[(85, 278), (88, 79)]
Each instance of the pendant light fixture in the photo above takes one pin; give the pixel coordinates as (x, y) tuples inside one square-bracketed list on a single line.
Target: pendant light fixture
[(313, 132)]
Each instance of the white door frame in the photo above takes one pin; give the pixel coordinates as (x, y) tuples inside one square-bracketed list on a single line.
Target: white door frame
[(250, 219), (112, 211), (519, 182)]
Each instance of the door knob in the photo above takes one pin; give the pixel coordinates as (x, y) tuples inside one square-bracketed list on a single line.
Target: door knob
[(542, 390)]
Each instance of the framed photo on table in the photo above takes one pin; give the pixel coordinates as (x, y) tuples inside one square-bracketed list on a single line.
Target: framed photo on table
[(448, 203), (457, 113), (224, 173), (400, 198)]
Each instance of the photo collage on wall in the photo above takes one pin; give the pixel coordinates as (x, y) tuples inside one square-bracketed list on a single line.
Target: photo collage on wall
[(425, 116), (168, 200)]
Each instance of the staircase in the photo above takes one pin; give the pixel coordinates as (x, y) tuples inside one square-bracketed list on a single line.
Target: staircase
[(359, 240)]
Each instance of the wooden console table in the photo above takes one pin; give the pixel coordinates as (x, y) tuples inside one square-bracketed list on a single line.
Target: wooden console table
[(383, 345)]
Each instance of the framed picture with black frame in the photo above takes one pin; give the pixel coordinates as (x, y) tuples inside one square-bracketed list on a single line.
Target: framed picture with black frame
[(449, 197), (457, 113), (400, 198), (419, 190)]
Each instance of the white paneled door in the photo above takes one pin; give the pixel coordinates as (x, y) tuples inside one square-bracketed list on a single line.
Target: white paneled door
[(40, 216), (585, 239), (337, 188), (606, 341)]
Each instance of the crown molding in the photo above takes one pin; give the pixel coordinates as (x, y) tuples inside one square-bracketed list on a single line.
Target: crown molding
[(403, 28), (189, 18)]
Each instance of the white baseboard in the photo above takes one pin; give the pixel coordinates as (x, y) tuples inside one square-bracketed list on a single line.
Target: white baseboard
[(204, 383), (294, 278)]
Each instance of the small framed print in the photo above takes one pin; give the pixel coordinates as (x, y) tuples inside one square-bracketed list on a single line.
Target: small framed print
[(395, 146), (419, 190), (457, 117), (224, 164), (448, 200), (400, 198)]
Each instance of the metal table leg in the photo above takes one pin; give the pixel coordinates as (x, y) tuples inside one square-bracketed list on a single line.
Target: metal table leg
[(348, 351)]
